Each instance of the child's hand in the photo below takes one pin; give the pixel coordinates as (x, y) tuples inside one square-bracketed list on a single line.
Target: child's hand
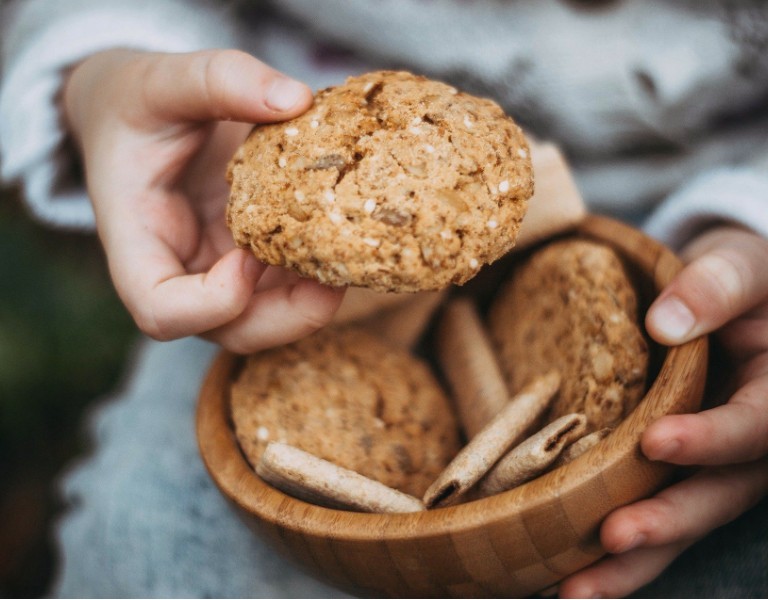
[(156, 132), (724, 286)]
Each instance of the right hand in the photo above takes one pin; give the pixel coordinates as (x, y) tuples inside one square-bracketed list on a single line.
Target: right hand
[(723, 289), (156, 132)]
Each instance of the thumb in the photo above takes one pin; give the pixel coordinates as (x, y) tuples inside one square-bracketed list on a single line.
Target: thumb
[(725, 278), (220, 85)]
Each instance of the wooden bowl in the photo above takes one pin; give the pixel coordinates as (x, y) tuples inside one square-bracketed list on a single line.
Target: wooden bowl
[(512, 544)]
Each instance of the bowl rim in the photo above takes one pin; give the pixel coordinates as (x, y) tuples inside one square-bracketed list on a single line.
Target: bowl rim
[(239, 483)]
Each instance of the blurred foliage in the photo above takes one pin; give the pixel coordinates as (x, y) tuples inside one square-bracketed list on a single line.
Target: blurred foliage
[(63, 333), (64, 337)]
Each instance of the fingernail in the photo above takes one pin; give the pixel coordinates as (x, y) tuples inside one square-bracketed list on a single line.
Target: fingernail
[(284, 93), (673, 319), (634, 542), (665, 450)]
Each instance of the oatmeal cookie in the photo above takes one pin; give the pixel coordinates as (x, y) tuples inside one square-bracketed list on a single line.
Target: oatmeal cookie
[(348, 397), (391, 181), (572, 307)]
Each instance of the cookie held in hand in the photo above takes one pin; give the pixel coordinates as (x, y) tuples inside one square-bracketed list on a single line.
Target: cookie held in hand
[(391, 181)]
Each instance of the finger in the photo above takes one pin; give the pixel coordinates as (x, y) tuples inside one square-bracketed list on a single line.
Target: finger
[(220, 85), (748, 335), (277, 277), (733, 432), (166, 302), (648, 535), (278, 316), (688, 510), (618, 576), (725, 281)]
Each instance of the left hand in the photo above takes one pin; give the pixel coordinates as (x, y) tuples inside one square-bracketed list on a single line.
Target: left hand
[(724, 287)]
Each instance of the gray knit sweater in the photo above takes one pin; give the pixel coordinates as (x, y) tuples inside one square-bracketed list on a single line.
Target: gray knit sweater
[(652, 100)]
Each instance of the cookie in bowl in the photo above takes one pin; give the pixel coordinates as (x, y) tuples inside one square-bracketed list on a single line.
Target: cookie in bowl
[(572, 306), (350, 398)]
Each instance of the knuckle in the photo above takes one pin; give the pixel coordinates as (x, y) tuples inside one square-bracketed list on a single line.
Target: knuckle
[(702, 427), (150, 326), (219, 68), (659, 511), (239, 347), (316, 320), (753, 431), (662, 518), (723, 280), (315, 316), (708, 438), (237, 341), (226, 301), (655, 515)]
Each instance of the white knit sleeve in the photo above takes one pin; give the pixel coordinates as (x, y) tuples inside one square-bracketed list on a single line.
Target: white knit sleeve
[(736, 194), (40, 39)]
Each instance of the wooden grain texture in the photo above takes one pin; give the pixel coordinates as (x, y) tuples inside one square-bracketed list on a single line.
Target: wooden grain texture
[(511, 544)]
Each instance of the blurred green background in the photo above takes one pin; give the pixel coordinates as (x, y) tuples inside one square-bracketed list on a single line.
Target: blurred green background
[(64, 337)]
